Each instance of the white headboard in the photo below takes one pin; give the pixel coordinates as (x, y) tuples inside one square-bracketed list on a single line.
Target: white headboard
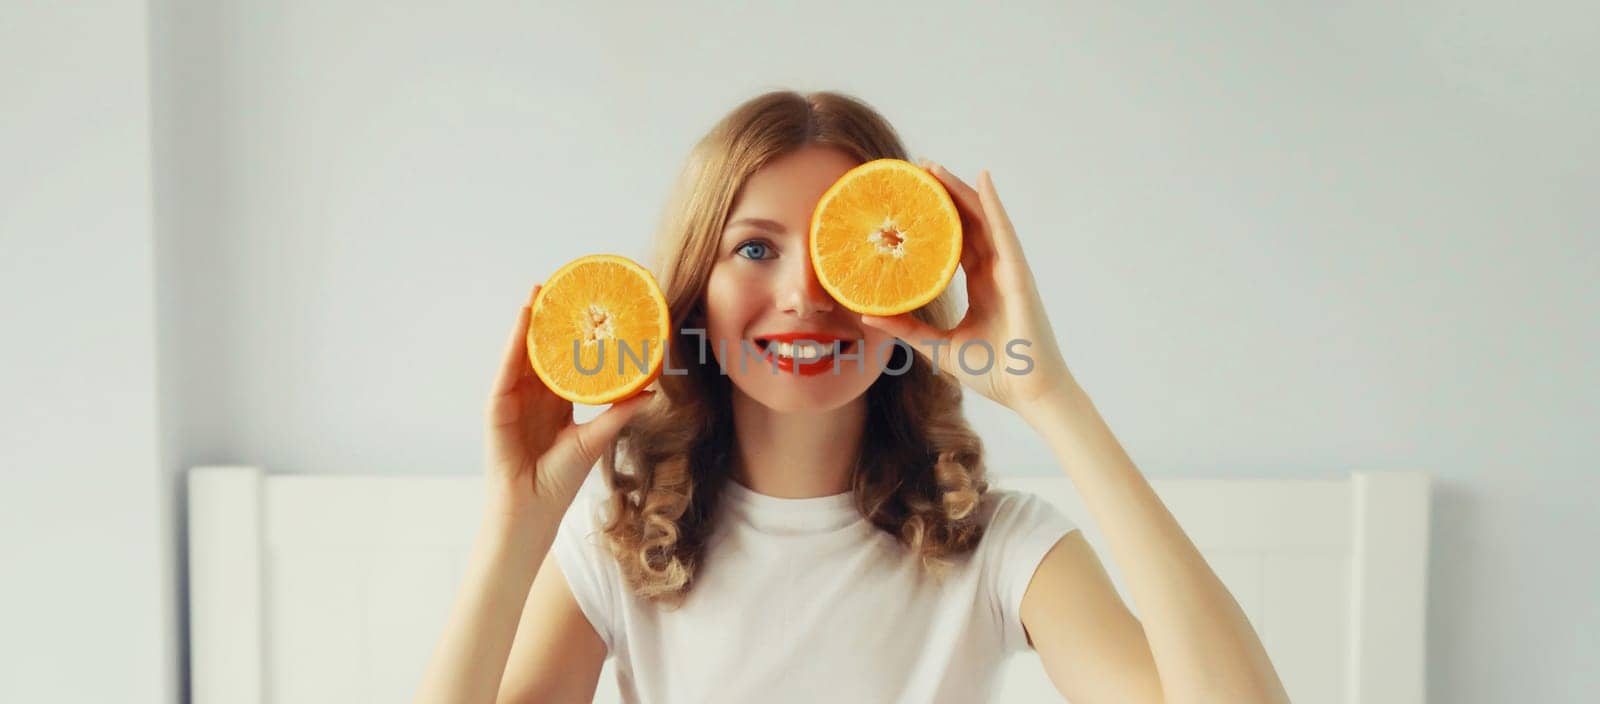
[(318, 588)]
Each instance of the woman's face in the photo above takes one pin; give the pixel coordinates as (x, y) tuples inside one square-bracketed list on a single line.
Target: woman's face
[(762, 287)]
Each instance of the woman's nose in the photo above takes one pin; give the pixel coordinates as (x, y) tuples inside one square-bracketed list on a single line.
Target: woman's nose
[(802, 294)]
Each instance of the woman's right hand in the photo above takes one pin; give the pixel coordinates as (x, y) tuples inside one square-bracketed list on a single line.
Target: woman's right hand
[(537, 455)]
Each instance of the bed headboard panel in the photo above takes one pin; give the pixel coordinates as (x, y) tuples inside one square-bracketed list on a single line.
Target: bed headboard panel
[(317, 588)]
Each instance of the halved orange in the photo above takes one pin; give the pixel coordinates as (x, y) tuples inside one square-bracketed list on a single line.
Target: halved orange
[(885, 238), (598, 330)]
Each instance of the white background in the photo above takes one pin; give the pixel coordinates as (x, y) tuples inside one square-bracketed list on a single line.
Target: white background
[(1283, 240)]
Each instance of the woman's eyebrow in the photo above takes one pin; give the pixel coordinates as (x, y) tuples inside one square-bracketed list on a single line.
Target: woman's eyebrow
[(762, 223)]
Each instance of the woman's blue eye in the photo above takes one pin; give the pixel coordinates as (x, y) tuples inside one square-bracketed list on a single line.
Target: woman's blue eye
[(760, 250)]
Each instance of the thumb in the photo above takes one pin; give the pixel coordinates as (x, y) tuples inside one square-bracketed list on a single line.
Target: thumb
[(578, 446), (930, 343)]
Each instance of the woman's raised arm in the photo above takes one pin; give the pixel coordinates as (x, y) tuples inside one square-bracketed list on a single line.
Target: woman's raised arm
[(1195, 635), (537, 459)]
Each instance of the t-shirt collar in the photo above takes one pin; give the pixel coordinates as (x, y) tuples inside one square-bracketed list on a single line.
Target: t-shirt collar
[(772, 514)]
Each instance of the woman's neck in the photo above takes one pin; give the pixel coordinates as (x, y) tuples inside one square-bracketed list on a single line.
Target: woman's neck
[(796, 455)]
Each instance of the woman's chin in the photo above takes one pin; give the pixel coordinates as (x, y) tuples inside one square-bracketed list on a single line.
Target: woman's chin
[(792, 393)]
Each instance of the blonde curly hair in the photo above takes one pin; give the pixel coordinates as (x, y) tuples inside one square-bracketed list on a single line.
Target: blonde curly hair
[(919, 475)]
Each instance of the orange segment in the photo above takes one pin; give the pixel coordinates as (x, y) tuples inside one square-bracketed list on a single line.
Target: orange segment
[(598, 330), (885, 238)]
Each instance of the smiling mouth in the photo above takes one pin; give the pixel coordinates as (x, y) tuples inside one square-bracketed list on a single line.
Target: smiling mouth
[(805, 351)]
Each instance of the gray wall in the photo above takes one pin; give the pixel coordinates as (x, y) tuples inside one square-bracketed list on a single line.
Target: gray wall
[(88, 609), (1284, 241)]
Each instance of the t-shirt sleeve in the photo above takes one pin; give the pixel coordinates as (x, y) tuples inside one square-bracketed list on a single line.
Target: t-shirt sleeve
[(1022, 529), (591, 572)]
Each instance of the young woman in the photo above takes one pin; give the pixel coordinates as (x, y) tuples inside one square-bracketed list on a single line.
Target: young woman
[(831, 537)]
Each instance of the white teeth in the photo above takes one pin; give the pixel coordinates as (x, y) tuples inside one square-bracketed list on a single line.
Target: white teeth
[(802, 352)]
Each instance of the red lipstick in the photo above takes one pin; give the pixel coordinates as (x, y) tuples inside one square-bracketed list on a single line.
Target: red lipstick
[(833, 345)]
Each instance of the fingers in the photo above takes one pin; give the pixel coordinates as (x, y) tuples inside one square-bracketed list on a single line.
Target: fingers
[(1002, 233), (977, 245), (997, 236), (514, 363)]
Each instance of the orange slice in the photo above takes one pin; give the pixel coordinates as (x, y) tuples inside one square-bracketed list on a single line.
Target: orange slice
[(598, 330), (885, 238)]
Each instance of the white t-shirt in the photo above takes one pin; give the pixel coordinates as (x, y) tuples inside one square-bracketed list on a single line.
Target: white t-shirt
[(804, 600)]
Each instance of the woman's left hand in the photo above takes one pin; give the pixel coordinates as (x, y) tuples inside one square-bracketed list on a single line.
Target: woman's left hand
[(1003, 307)]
